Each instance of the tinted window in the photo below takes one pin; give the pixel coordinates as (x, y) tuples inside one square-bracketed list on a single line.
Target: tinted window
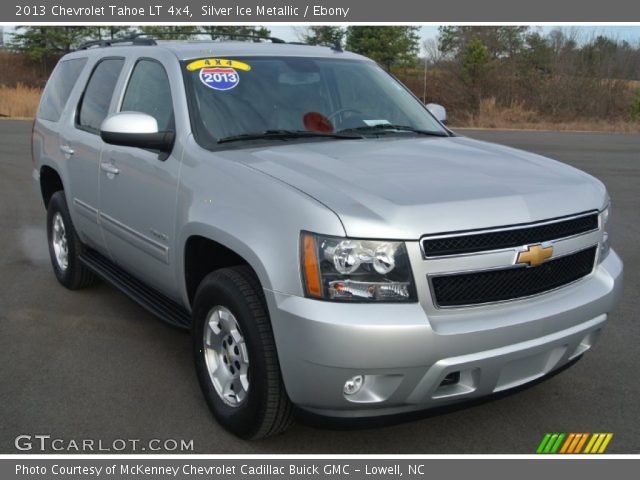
[(59, 88), (149, 92), (97, 96)]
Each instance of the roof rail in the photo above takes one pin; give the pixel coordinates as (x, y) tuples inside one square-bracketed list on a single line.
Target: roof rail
[(133, 39), (143, 38), (336, 46)]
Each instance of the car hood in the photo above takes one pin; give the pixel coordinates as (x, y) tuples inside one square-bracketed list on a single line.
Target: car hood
[(403, 188)]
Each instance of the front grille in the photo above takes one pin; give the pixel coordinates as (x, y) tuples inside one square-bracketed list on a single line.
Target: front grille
[(513, 237), (511, 283)]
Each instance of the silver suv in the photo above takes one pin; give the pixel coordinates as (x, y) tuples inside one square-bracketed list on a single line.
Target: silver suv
[(328, 242)]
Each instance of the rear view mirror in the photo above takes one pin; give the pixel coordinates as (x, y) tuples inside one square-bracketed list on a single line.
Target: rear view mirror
[(299, 78), (438, 111), (135, 129)]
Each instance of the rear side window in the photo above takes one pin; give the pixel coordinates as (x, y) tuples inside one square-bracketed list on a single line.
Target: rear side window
[(95, 102), (59, 87), (149, 92)]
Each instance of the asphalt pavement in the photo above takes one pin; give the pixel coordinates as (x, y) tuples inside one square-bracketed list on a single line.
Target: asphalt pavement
[(93, 365)]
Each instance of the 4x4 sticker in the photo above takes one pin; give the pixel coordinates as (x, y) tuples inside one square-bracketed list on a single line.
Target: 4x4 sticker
[(218, 62)]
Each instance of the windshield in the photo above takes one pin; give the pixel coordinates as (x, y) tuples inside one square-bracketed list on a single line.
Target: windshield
[(276, 98)]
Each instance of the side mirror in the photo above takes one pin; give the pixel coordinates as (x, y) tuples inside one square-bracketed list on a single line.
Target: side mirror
[(135, 129), (438, 111)]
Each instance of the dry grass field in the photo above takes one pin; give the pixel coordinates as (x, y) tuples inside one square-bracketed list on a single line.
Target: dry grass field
[(20, 101), (516, 116)]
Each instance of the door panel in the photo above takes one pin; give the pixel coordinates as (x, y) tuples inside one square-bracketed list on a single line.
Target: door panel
[(138, 187), (81, 147), (138, 213), (82, 171)]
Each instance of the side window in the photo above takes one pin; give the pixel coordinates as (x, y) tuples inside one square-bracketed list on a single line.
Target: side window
[(94, 105), (149, 92), (59, 87)]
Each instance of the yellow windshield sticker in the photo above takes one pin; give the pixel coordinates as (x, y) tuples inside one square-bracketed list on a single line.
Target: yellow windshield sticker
[(217, 62)]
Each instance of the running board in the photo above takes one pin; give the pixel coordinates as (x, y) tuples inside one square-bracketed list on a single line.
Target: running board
[(162, 307)]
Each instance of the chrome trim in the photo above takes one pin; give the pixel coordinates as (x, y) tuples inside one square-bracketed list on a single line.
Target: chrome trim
[(521, 226), (129, 123), (508, 267), (110, 169), (498, 258), (86, 210), (600, 212), (128, 234), (67, 151)]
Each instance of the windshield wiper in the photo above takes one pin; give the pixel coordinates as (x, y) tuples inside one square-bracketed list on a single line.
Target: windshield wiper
[(287, 134), (389, 127)]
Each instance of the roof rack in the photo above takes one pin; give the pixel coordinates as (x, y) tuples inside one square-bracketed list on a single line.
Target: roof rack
[(107, 43), (139, 38), (336, 46)]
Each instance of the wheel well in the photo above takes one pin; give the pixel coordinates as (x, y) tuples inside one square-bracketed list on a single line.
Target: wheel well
[(50, 183), (201, 257)]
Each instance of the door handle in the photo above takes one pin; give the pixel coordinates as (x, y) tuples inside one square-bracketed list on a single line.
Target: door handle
[(67, 150), (110, 168)]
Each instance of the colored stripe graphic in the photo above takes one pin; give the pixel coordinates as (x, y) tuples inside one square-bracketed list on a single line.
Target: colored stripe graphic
[(556, 445), (550, 443), (583, 439), (598, 443), (607, 439), (573, 443), (543, 443), (591, 443), (567, 442)]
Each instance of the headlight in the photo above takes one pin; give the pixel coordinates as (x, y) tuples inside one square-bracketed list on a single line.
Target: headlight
[(605, 224), (346, 269)]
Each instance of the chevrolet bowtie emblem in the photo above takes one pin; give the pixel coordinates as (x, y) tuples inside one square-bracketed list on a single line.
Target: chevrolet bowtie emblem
[(534, 255)]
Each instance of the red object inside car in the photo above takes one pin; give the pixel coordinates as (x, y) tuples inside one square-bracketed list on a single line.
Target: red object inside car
[(317, 122)]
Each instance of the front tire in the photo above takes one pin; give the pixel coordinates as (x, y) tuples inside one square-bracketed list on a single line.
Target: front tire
[(65, 247), (235, 355)]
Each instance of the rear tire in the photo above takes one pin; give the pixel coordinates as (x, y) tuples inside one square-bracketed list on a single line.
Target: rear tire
[(65, 246), (235, 355)]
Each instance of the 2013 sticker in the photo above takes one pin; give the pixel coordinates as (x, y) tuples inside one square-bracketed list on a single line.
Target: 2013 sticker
[(220, 78)]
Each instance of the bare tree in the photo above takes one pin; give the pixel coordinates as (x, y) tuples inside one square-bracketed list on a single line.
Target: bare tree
[(432, 53)]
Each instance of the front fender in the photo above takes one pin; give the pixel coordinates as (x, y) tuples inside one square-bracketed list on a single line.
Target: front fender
[(255, 215)]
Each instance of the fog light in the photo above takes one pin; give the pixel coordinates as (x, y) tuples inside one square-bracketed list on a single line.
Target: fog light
[(450, 379), (353, 385)]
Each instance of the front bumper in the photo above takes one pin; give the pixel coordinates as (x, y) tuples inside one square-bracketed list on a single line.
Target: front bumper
[(405, 354)]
